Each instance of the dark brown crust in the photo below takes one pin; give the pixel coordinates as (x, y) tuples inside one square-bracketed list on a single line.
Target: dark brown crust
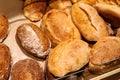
[(5, 62), (27, 69), (3, 26)]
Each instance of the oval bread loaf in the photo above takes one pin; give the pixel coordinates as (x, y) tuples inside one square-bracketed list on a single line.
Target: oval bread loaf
[(91, 26), (58, 26), (5, 62), (3, 27), (68, 56), (106, 49), (33, 40)]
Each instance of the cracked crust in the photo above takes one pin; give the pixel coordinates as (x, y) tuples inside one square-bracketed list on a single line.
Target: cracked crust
[(88, 21)]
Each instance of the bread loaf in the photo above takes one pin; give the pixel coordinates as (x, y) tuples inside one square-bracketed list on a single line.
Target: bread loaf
[(58, 26), (34, 9), (105, 50), (68, 56), (59, 4), (33, 40), (110, 12), (5, 62), (91, 26), (27, 69), (3, 27)]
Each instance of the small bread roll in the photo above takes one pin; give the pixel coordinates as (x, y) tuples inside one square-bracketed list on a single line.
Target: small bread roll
[(3, 27), (59, 4), (70, 55), (5, 62), (27, 69), (34, 9), (33, 40), (110, 12), (105, 50), (91, 26), (58, 26)]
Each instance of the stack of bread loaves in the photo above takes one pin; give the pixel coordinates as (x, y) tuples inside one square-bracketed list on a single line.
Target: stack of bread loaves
[(72, 34)]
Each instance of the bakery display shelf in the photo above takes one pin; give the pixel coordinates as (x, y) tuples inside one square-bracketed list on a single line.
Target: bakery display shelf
[(14, 13), (85, 74)]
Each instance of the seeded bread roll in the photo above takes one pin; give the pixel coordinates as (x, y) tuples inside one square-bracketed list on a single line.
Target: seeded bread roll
[(68, 56), (3, 27), (27, 69), (58, 26), (5, 62), (91, 26), (33, 40), (105, 50)]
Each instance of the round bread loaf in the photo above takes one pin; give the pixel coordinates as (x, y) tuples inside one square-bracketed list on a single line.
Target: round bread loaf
[(105, 50), (27, 69), (33, 40), (68, 56), (58, 26), (91, 26), (5, 62), (3, 27)]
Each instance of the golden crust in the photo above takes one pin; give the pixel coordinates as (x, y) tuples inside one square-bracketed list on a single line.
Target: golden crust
[(88, 21), (58, 26), (34, 10), (33, 40), (110, 12), (27, 69), (68, 56), (105, 50), (59, 4), (3, 27), (5, 62)]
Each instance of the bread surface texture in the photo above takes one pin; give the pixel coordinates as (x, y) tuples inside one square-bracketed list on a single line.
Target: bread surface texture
[(33, 40), (27, 69), (68, 56), (5, 62)]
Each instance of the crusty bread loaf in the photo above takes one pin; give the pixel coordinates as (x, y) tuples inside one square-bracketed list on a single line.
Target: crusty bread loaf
[(27, 69), (3, 27), (58, 26), (59, 4), (33, 40), (5, 62), (88, 21), (104, 50), (68, 56), (34, 9), (110, 12)]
